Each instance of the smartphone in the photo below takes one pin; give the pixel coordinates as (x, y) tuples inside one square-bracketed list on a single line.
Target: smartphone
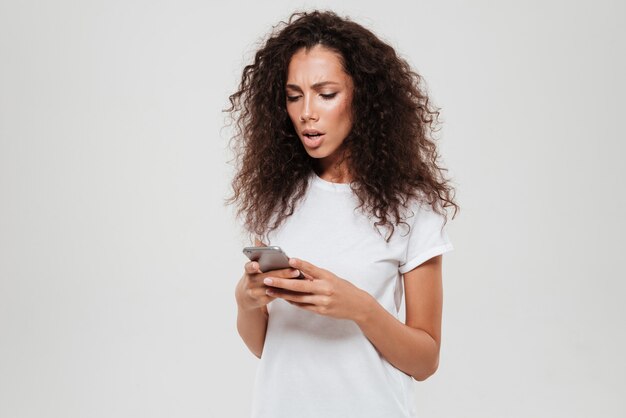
[(269, 258)]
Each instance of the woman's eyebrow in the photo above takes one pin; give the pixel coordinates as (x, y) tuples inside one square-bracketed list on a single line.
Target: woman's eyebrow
[(314, 86)]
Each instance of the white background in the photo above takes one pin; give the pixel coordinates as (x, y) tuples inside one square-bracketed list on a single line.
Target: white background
[(118, 259)]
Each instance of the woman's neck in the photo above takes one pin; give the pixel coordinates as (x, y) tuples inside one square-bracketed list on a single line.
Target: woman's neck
[(335, 170)]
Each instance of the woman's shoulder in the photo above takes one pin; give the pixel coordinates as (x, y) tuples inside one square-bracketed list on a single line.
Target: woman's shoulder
[(419, 209)]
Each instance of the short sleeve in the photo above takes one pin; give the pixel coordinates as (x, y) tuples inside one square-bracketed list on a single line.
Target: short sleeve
[(426, 239)]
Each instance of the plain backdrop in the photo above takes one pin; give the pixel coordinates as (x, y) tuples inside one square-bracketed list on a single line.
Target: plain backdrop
[(118, 258)]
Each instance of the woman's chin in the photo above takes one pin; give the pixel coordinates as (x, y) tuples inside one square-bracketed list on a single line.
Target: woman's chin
[(316, 153)]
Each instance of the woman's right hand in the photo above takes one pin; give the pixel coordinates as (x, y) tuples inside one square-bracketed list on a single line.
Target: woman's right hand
[(250, 292)]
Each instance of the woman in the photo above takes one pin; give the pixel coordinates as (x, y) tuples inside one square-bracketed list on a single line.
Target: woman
[(337, 167)]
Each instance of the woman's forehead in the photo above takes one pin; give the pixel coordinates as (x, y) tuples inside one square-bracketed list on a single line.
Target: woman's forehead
[(317, 65)]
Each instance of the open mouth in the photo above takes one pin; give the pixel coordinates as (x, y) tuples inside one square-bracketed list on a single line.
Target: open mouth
[(313, 140)]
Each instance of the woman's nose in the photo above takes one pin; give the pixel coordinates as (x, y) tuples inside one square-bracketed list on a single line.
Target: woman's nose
[(308, 110)]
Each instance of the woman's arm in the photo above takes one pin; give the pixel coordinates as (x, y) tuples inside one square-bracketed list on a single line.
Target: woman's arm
[(251, 323), (412, 347), (252, 300)]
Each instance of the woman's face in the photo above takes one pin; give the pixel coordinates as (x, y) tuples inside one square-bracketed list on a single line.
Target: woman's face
[(319, 101)]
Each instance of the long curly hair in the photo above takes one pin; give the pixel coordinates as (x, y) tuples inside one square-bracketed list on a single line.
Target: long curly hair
[(392, 156)]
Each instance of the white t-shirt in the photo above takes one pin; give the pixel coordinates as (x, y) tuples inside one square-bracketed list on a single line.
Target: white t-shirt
[(321, 367)]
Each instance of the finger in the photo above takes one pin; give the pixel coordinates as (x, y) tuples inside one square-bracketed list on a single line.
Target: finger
[(256, 278), (272, 292), (252, 267), (259, 243), (309, 270), (304, 286), (260, 294), (284, 273), (293, 296)]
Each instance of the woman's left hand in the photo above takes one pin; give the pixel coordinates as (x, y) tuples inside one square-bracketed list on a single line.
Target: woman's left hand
[(321, 292)]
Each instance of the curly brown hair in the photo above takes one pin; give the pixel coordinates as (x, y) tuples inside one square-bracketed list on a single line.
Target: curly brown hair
[(392, 156)]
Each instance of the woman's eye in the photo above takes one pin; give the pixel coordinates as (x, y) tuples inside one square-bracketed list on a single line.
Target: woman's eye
[(324, 96)]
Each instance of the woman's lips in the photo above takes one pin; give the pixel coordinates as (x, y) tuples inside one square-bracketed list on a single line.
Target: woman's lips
[(312, 141)]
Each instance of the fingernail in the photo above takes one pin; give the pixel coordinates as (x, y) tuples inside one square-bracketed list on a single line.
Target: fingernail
[(295, 273), (269, 292), (267, 280)]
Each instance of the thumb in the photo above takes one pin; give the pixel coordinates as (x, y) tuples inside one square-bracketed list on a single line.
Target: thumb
[(307, 268)]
